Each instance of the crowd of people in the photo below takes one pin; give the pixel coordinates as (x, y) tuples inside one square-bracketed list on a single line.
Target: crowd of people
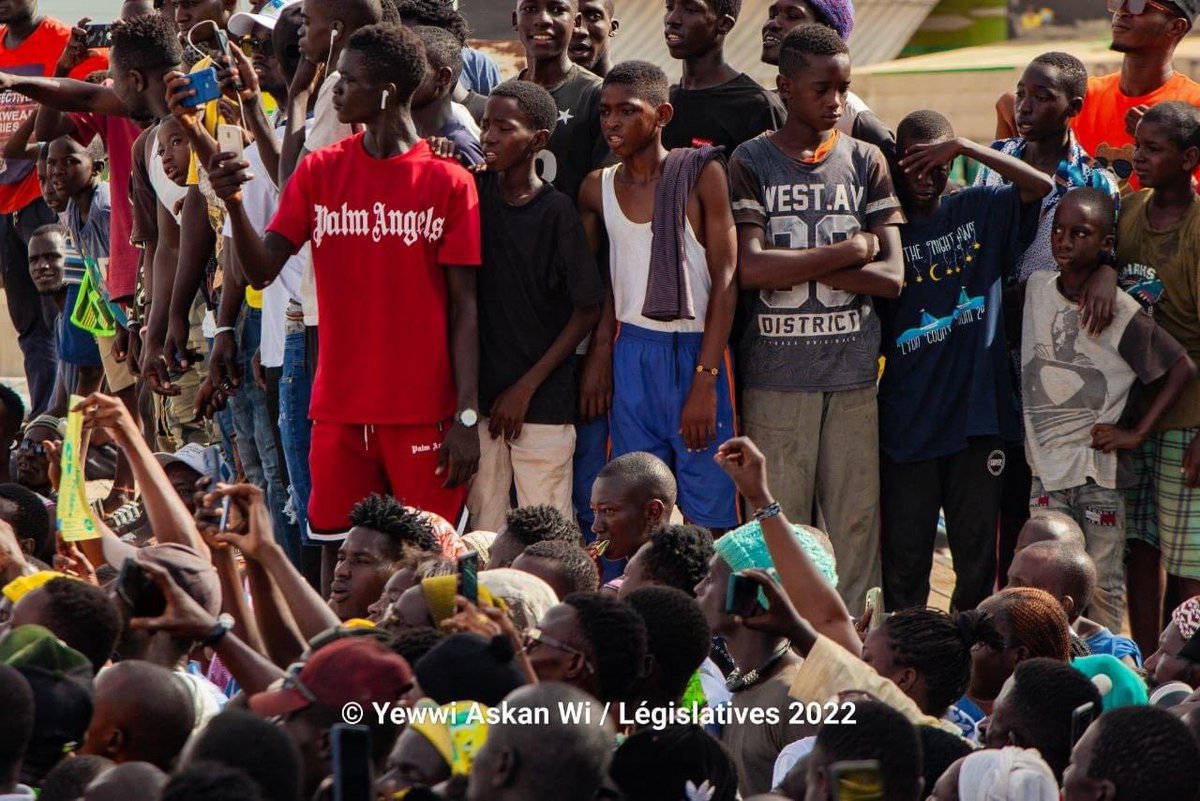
[(589, 434)]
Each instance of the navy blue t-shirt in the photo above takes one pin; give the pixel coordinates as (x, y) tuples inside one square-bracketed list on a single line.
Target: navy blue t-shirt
[(946, 375)]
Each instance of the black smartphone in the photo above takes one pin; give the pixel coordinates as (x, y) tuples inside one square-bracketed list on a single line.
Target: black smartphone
[(1081, 718), (866, 775), (741, 596), (139, 592), (99, 35), (468, 573), (351, 762)]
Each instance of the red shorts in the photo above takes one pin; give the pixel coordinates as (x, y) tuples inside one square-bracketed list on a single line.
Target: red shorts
[(349, 462)]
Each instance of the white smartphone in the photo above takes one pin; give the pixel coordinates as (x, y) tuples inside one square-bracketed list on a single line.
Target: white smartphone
[(875, 604), (229, 140)]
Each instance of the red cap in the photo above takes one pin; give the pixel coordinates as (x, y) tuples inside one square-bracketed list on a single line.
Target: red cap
[(357, 669)]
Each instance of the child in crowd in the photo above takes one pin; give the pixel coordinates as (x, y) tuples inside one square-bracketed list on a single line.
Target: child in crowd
[(433, 106), (715, 104), (539, 296), (545, 29), (1158, 246), (945, 407), (817, 237), (589, 45), (1081, 433), (671, 258), (1049, 96)]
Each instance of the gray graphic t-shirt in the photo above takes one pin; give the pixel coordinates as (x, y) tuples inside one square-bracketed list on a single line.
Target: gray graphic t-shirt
[(811, 337)]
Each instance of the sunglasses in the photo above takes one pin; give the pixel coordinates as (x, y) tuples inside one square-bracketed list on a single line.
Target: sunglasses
[(250, 46), (36, 448), (1136, 7), (535, 637)]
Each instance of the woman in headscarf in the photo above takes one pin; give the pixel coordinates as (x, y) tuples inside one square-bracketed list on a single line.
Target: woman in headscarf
[(1007, 774), (1177, 657)]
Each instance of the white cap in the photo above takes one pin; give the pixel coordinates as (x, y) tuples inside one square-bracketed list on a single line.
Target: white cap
[(195, 456), (243, 22)]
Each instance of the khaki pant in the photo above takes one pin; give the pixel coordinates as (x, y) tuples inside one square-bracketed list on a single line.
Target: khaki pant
[(538, 462), (116, 373), (822, 452), (178, 422)]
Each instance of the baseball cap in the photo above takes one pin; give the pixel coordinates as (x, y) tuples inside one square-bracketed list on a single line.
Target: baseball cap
[(63, 693), (194, 574), (358, 670), (197, 457), (243, 22)]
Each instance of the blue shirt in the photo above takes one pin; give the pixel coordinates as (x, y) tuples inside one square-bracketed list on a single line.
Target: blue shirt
[(946, 377), (1077, 169), (479, 73), (1105, 642)]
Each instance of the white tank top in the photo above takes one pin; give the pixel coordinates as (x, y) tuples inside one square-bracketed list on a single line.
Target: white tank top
[(629, 246)]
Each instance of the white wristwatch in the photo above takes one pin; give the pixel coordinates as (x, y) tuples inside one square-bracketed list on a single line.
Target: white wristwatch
[(467, 418)]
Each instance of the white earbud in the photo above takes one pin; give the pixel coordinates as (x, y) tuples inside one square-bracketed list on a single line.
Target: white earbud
[(383, 100), (333, 34)]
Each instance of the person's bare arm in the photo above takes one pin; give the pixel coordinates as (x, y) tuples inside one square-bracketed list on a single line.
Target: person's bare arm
[(883, 276), (66, 94), (814, 597), (185, 619), (281, 637), (310, 611), (233, 598), (166, 256), (169, 518), (196, 243), (18, 145), (698, 418), (458, 458), (261, 258), (1031, 183), (1110, 438), (595, 381), (305, 83), (762, 266)]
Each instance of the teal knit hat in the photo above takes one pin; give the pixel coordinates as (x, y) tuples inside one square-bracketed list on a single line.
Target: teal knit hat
[(744, 549), (1119, 685)]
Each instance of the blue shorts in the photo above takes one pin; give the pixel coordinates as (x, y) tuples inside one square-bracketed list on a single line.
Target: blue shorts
[(75, 346), (652, 374), (591, 454)]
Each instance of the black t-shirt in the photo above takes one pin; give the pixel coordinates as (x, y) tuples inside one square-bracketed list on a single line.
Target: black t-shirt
[(724, 115), (576, 146), (537, 268)]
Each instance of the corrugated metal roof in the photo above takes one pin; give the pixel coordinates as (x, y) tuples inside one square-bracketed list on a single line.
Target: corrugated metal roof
[(882, 29)]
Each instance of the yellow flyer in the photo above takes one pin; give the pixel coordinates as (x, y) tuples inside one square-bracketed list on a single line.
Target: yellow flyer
[(74, 520)]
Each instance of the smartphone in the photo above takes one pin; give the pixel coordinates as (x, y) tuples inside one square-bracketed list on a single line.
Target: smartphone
[(229, 140), (99, 34), (225, 505), (351, 762), (222, 41), (867, 778), (875, 604), (468, 572), (741, 596), (207, 87), (1081, 718), (139, 592)]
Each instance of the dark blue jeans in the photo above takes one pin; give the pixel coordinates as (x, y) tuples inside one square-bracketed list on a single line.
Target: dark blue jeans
[(295, 389), (256, 440)]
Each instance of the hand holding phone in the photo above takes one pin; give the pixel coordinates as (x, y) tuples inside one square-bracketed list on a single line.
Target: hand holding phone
[(741, 597), (875, 606), (229, 140), (99, 35), (468, 574), (206, 85)]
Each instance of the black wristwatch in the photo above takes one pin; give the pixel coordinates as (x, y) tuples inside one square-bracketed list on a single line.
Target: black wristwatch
[(219, 630)]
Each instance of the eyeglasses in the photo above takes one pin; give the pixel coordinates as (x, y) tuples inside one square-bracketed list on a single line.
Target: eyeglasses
[(292, 682), (250, 46), (1136, 7), (36, 448), (535, 637)]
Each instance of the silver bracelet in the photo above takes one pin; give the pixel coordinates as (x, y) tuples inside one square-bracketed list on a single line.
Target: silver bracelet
[(768, 511)]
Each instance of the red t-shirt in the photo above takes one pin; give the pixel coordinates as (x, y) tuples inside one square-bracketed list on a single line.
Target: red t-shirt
[(37, 55), (1100, 127), (381, 231), (118, 135)]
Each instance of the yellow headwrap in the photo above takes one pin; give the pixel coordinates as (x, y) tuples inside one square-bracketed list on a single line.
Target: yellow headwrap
[(456, 731)]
